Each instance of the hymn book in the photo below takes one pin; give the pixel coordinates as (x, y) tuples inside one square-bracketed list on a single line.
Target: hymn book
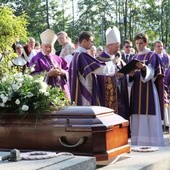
[(129, 67)]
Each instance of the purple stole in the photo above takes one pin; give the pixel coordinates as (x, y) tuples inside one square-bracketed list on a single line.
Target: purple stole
[(83, 64), (142, 97)]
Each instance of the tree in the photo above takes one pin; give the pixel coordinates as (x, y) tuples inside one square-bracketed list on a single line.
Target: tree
[(37, 12), (12, 28), (131, 17), (95, 16), (164, 22)]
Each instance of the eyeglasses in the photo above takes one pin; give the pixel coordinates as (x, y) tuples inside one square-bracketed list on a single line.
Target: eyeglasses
[(128, 46)]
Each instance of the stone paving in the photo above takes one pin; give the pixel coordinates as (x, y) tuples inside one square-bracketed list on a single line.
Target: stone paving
[(62, 162), (157, 160)]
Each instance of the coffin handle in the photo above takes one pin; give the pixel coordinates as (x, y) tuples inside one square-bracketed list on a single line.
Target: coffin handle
[(63, 141)]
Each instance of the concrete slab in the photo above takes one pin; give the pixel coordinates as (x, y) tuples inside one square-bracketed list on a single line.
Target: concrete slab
[(133, 161), (62, 162), (140, 160)]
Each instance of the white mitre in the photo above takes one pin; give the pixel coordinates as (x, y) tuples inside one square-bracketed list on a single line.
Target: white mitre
[(48, 37), (112, 35)]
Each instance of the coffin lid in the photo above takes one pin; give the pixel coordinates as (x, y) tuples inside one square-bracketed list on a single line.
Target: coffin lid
[(91, 116), (83, 111), (72, 116)]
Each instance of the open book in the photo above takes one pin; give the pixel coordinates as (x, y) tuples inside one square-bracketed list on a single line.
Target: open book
[(129, 66)]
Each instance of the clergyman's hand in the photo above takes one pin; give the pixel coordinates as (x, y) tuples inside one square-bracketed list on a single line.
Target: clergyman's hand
[(131, 73), (140, 65), (54, 72), (120, 75)]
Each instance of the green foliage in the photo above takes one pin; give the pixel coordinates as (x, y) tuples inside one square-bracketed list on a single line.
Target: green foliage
[(11, 29), (94, 17), (36, 12), (131, 17)]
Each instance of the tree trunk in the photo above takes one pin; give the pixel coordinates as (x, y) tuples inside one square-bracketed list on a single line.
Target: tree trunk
[(47, 18)]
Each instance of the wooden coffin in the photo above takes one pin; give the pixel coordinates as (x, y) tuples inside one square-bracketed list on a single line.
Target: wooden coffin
[(94, 131)]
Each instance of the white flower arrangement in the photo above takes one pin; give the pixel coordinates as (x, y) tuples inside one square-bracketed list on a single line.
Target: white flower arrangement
[(25, 94)]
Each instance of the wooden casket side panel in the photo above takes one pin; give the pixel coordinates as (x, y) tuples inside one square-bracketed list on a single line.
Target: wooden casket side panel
[(117, 136), (99, 132), (32, 138), (110, 138)]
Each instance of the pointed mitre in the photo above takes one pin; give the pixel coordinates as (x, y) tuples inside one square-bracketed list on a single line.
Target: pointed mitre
[(112, 35), (48, 37)]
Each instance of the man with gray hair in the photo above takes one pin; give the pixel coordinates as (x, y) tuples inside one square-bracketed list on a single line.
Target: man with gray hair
[(67, 46), (29, 49)]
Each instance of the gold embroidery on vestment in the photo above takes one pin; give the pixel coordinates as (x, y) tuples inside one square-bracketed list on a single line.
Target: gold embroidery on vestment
[(111, 93)]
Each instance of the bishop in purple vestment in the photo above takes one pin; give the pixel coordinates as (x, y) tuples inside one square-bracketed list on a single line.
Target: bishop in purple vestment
[(113, 88), (55, 67)]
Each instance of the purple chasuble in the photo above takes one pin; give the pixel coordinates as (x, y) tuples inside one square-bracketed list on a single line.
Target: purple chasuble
[(165, 64), (142, 97), (165, 61), (114, 92), (84, 65), (167, 84), (45, 63)]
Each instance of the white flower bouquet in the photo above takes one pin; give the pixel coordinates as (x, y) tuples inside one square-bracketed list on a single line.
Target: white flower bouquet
[(23, 95)]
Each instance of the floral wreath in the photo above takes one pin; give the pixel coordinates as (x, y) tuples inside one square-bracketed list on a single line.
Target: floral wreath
[(145, 149)]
